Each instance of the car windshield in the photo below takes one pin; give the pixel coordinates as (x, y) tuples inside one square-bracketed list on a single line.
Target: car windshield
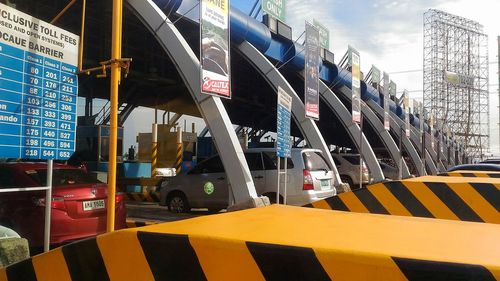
[(62, 177), (314, 160)]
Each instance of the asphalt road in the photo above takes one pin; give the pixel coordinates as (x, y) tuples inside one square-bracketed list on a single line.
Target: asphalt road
[(142, 211)]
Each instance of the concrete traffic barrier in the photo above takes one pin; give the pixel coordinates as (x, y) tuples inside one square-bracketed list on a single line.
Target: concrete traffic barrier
[(148, 196), (131, 223), (277, 243), (466, 173), (454, 198)]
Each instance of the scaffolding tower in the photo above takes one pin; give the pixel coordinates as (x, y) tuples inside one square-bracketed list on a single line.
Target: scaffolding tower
[(456, 78)]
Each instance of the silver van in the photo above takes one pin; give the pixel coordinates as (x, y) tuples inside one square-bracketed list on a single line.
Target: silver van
[(309, 178)]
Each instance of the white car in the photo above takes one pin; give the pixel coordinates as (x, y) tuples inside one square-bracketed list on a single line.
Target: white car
[(309, 178)]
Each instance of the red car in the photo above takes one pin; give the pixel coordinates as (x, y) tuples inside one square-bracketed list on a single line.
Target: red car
[(78, 203)]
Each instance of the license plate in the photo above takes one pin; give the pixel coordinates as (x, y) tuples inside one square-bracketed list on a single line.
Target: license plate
[(93, 205), (325, 184)]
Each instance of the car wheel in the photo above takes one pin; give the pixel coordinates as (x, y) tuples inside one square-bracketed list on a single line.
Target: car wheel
[(177, 203), (348, 180)]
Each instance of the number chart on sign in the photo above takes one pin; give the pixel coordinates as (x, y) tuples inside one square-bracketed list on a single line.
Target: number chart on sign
[(38, 88), (283, 145)]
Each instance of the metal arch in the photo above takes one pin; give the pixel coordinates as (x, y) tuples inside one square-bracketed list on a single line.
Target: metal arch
[(407, 144), (272, 75), (211, 108), (345, 118), (378, 127)]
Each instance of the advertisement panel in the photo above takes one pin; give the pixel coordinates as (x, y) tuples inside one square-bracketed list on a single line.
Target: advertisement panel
[(214, 49), (38, 88), (283, 145), (386, 101), (406, 105), (392, 89), (275, 8), (356, 85), (312, 60), (324, 35)]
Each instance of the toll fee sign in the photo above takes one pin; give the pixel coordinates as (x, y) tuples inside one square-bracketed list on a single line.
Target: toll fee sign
[(38, 88)]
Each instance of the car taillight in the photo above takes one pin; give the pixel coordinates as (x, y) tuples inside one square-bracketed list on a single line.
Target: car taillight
[(119, 197), (57, 203), (308, 181)]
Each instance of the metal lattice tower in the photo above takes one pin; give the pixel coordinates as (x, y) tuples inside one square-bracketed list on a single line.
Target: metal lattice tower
[(456, 78)]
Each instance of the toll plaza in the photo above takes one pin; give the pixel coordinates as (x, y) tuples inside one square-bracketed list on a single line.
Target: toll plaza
[(229, 74)]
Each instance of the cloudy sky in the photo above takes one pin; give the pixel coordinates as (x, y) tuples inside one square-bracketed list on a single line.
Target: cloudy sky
[(387, 33)]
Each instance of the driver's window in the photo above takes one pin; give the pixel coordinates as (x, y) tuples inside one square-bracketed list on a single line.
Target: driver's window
[(212, 165)]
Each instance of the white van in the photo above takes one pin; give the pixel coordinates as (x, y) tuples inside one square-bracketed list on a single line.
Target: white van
[(309, 178)]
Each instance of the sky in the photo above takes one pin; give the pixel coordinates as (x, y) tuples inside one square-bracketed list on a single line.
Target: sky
[(388, 34)]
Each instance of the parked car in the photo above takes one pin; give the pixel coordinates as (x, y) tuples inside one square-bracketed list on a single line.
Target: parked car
[(309, 178), (78, 203), (475, 167), (389, 171), (491, 161), (348, 168)]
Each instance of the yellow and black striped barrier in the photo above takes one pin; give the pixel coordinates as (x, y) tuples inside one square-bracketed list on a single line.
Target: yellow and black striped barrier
[(467, 173), (454, 198), (143, 196), (277, 243), (131, 223)]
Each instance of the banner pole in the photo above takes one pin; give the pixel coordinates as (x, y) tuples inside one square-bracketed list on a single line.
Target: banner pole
[(278, 186), (360, 150), (48, 206)]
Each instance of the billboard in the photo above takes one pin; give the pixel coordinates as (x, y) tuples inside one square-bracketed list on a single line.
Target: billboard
[(406, 105), (283, 144), (392, 89), (38, 88), (356, 84), (214, 49), (312, 61), (386, 101), (275, 8), (324, 35), (375, 79)]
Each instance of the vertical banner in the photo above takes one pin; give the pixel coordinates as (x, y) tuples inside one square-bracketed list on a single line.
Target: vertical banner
[(406, 104), (386, 101), (421, 117), (214, 49), (324, 35), (283, 145), (312, 60), (356, 84), (375, 79), (275, 8), (392, 89)]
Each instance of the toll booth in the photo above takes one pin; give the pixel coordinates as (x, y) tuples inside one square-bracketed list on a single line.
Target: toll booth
[(92, 147), (167, 147)]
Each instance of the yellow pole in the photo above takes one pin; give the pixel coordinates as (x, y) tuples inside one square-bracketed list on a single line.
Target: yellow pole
[(154, 150), (115, 81), (178, 159)]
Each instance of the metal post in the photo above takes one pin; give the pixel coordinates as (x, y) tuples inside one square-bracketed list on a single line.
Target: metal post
[(113, 136), (498, 59), (48, 206), (423, 151), (178, 158), (400, 164), (278, 186), (286, 163), (154, 150), (360, 150)]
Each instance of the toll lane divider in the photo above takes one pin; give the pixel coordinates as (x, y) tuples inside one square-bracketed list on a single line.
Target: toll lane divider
[(454, 198), (277, 243), (466, 173), (149, 196)]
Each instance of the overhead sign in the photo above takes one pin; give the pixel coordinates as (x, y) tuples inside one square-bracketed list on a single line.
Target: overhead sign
[(324, 35), (275, 8), (283, 145), (458, 79), (312, 60), (386, 102), (38, 88), (356, 85), (214, 51), (406, 103)]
